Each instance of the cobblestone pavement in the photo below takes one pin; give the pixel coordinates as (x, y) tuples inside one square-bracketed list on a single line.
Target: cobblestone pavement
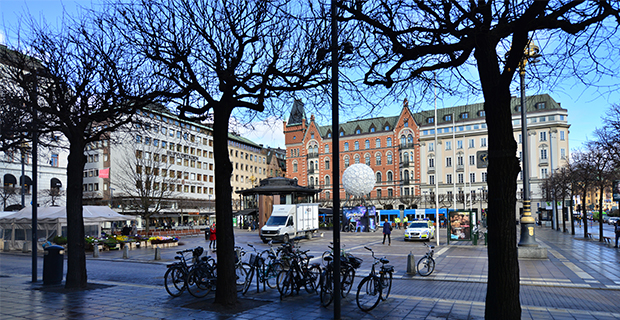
[(579, 280)]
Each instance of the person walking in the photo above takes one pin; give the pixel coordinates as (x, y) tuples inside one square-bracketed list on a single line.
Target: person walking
[(387, 231), (617, 231), (405, 222), (212, 237)]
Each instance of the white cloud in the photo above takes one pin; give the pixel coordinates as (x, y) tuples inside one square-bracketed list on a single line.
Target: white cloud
[(2, 37), (268, 132)]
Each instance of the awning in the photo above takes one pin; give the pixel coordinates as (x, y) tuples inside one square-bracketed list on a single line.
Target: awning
[(9, 179), (25, 180), (55, 183), (246, 212)]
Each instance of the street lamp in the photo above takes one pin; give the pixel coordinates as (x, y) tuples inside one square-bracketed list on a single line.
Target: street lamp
[(424, 192), (528, 239)]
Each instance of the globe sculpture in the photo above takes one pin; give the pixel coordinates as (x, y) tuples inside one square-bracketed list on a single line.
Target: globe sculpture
[(358, 179)]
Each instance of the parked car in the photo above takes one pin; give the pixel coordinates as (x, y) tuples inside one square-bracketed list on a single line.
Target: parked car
[(420, 230), (613, 220)]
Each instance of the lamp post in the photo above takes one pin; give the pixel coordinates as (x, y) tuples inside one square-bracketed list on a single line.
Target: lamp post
[(528, 239), (424, 192)]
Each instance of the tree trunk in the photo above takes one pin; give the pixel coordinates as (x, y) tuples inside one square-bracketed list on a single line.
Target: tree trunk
[(600, 215), (76, 257), (226, 292), (584, 215), (502, 299)]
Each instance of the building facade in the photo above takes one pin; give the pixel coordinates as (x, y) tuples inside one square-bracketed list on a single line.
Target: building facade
[(389, 145)]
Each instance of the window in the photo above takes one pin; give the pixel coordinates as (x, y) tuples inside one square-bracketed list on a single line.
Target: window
[(378, 193), (54, 160), (346, 162), (403, 140), (472, 177), (464, 115), (459, 144), (388, 142), (459, 160), (357, 145), (341, 133), (390, 177), (326, 148), (329, 134), (357, 159), (312, 135), (472, 160), (378, 159), (367, 144), (372, 129), (358, 131), (327, 164), (387, 128), (431, 163), (449, 178), (390, 193), (448, 145), (460, 177), (483, 142), (543, 136), (431, 146), (562, 135), (540, 105), (449, 162), (543, 173), (327, 182), (472, 143), (448, 117), (378, 143), (482, 113), (543, 154), (378, 177), (563, 153), (484, 177), (295, 167), (431, 179), (389, 158), (138, 139), (346, 146), (430, 120), (367, 159)]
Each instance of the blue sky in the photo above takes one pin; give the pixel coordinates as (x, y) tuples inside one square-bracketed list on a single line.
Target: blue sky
[(585, 105)]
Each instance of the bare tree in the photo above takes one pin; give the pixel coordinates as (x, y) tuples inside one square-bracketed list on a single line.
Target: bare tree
[(52, 196), (7, 194), (83, 84), (144, 176), (224, 55), (405, 44)]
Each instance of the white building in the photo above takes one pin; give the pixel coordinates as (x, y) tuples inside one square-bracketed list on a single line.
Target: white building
[(459, 159)]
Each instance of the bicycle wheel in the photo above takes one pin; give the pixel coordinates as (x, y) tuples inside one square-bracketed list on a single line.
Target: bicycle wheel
[(174, 281), (272, 274), (201, 278), (248, 280), (426, 266), (327, 288), (348, 276), (368, 293), (241, 275), (285, 283), (386, 284), (312, 278)]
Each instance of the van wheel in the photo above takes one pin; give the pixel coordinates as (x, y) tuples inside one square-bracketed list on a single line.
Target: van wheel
[(309, 235), (285, 238)]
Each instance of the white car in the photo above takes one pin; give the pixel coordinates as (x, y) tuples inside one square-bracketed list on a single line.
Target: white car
[(420, 230)]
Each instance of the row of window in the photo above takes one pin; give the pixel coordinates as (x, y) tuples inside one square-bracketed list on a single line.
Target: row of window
[(249, 168), (460, 178), (459, 128), (248, 156), (178, 160), (174, 147), (463, 115), (459, 161)]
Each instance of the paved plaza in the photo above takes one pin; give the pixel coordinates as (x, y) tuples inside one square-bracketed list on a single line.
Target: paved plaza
[(579, 280)]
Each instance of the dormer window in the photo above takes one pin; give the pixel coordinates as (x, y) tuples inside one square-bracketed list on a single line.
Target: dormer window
[(372, 129), (387, 128), (312, 135), (329, 135), (341, 133), (482, 113), (540, 105), (447, 117), (464, 115), (406, 123), (430, 120), (358, 131), (518, 108)]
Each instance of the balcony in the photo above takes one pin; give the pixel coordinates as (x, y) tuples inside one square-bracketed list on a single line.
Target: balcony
[(460, 168), (543, 162), (311, 171), (312, 155), (404, 164), (406, 182), (407, 146), (431, 169)]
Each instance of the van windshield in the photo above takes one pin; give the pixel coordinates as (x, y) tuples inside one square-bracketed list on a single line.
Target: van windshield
[(276, 221)]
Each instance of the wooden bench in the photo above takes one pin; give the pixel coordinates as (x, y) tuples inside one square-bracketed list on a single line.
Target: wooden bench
[(590, 236), (607, 240)]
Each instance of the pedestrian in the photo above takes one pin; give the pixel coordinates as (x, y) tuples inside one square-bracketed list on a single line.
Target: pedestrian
[(405, 222), (397, 221), (387, 231), (617, 231), (212, 237)]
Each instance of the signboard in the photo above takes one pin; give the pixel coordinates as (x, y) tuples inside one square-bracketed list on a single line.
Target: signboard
[(460, 225), (362, 216), (483, 159)]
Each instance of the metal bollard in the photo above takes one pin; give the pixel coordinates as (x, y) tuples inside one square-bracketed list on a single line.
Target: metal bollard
[(96, 251), (126, 251), (411, 263), (7, 247), (26, 247), (157, 254)]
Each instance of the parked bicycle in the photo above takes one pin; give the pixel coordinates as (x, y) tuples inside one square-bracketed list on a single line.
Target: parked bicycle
[(348, 264), (375, 287), (300, 274), (266, 267), (426, 265), (176, 275), (202, 277)]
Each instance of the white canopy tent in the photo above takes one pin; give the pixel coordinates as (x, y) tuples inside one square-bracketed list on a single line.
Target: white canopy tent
[(17, 227)]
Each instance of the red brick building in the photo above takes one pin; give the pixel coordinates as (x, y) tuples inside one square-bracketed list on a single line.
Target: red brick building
[(389, 145)]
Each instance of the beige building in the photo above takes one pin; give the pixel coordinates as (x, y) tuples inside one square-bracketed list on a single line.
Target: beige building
[(458, 160), (249, 161)]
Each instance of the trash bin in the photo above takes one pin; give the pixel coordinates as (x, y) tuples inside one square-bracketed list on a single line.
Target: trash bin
[(53, 264), (207, 234)]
